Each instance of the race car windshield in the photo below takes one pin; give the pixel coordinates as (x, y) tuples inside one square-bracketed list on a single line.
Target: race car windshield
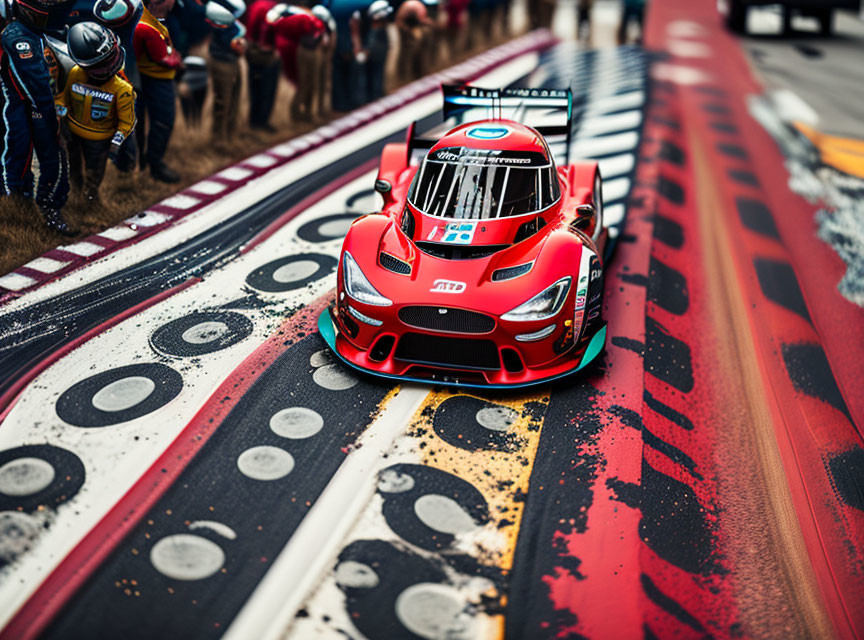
[(468, 183)]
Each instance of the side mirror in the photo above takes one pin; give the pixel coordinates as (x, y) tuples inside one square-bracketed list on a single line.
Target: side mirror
[(585, 210), (383, 186)]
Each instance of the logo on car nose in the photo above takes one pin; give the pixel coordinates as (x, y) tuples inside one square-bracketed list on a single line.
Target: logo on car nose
[(447, 286)]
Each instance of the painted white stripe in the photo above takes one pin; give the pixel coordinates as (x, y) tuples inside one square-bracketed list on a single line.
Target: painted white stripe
[(605, 145), (148, 219), (16, 282), (82, 248), (261, 161), (617, 165), (46, 265), (209, 187), (613, 214), (235, 173), (310, 551), (600, 125), (180, 201), (120, 233), (615, 189), (632, 100)]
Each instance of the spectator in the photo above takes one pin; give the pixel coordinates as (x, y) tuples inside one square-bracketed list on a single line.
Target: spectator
[(297, 34), (634, 12), (99, 105), (28, 82), (327, 51), (263, 62), (457, 18), (227, 44), (192, 87), (158, 63), (348, 72), (414, 25), (371, 45), (583, 18)]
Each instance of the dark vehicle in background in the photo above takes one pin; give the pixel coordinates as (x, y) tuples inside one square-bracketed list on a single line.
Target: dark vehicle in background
[(822, 10)]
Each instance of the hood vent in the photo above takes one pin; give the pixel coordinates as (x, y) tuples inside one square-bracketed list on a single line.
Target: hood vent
[(459, 252), (508, 273), (395, 264)]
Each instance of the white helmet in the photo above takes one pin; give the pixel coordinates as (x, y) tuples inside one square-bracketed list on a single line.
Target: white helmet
[(323, 14), (218, 15), (379, 10)]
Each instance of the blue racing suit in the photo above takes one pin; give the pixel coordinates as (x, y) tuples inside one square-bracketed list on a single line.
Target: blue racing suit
[(29, 120)]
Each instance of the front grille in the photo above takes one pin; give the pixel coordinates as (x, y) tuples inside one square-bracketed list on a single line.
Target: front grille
[(395, 264), (465, 353), (452, 320)]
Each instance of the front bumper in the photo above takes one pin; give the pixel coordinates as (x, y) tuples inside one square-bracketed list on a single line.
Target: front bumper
[(455, 376)]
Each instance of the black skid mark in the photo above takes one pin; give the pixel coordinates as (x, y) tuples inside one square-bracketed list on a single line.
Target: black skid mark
[(756, 217), (732, 150), (559, 499), (628, 493), (666, 411), (672, 153), (779, 284), (635, 346), (667, 287), (310, 231), (637, 279), (674, 524), (262, 278), (68, 478), (455, 423), (670, 606), (667, 357), (251, 300), (811, 374), (373, 609), (168, 339), (75, 406), (401, 485), (633, 420), (847, 473), (668, 231), (670, 189), (744, 177)]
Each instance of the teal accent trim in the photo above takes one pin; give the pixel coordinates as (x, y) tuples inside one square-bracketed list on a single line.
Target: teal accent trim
[(594, 347), (328, 332)]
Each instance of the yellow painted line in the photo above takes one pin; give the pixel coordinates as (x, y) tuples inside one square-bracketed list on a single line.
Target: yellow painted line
[(844, 154), (501, 476)]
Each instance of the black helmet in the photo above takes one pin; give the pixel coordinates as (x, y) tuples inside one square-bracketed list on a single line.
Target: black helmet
[(95, 49), (35, 13), (117, 13)]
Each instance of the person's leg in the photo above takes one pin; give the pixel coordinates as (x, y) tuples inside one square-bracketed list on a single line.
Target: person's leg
[(16, 146), (235, 100), (95, 154), (341, 90), (141, 128), (256, 92), (221, 76), (76, 162), (161, 110), (301, 105), (271, 87)]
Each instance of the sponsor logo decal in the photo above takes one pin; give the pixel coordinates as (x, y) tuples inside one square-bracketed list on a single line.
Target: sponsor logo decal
[(84, 90), (447, 286), (488, 133)]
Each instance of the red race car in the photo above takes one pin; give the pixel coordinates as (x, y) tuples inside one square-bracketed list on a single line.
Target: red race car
[(485, 266)]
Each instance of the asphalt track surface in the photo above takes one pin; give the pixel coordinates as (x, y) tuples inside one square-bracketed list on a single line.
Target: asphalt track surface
[(191, 462)]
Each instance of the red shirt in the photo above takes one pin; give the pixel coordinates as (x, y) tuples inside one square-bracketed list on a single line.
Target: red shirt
[(257, 28), (288, 31)]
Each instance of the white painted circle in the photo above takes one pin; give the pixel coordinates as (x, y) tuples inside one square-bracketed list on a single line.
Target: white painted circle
[(320, 358), (187, 557), (296, 423), (391, 481), (18, 531), (443, 514), (294, 271), (335, 228), (434, 611), (205, 332), (265, 463), (356, 575), (123, 394), (25, 476), (497, 418), (334, 377)]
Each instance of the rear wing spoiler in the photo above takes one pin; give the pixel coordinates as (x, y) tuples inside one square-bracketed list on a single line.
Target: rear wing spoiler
[(549, 111)]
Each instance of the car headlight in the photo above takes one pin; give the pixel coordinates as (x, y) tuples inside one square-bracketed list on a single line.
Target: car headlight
[(358, 287), (542, 306)]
